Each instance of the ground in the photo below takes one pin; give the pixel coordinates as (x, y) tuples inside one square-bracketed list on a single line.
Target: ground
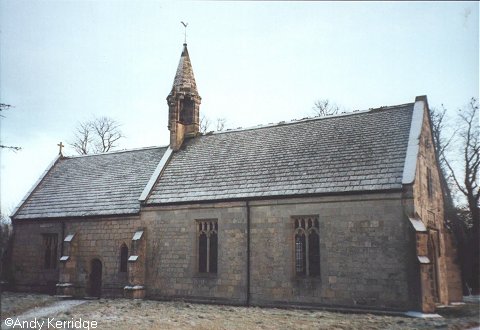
[(146, 314)]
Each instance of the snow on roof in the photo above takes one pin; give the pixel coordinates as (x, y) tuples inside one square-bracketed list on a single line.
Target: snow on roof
[(104, 184)]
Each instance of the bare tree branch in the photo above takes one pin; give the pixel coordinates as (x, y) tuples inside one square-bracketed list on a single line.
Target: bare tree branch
[(82, 139), (438, 129), (221, 124), (108, 131), (454, 177), (465, 179), (10, 147), (4, 106), (96, 136), (325, 107), (206, 123)]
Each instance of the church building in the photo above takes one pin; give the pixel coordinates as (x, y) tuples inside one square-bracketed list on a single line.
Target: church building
[(340, 211)]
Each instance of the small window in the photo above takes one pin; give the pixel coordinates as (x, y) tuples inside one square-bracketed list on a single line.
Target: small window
[(429, 183), (50, 243), (207, 246), (123, 258), (307, 246)]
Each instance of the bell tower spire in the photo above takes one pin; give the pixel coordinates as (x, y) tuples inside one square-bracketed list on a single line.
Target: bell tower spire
[(183, 103)]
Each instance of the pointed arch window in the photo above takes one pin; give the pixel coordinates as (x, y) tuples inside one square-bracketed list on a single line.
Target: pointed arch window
[(123, 258), (207, 246), (307, 246)]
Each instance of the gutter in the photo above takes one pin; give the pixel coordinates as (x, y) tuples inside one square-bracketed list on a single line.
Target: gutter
[(270, 197)]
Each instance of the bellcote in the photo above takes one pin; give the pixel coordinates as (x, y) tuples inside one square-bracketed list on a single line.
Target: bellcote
[(183, 103)]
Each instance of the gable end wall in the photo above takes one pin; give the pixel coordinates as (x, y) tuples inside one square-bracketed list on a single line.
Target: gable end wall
[(442, 269)]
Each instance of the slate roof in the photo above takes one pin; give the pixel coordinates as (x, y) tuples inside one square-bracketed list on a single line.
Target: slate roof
[(362, 151), (105, 184)]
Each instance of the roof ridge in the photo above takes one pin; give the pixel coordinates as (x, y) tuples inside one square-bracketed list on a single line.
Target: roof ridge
[(117, 152), (307, 119)]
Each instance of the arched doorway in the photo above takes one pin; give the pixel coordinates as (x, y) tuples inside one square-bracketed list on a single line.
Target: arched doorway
[(95, 278)]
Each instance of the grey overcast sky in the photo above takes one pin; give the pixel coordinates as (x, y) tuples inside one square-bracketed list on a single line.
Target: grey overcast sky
[(62, 62)]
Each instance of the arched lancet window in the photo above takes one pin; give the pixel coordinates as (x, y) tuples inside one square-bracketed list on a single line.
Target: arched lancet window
[(207, 246), (307, 246), (123, 258), (300, 253)]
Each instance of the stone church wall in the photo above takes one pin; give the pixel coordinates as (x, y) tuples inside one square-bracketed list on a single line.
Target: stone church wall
[(364, 252), (99, 238), (172, 271), (28, 256)]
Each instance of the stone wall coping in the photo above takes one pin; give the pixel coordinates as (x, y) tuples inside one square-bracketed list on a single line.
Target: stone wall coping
[(423, 259), (69, 237), (410, 165), (417, 224), (156, 174)]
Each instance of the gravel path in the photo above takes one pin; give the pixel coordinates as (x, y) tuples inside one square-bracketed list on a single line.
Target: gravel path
[(41, 312), (123, 314)]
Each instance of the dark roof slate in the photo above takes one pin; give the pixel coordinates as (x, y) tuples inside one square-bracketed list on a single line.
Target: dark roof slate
[(105, 184), (363, 151)]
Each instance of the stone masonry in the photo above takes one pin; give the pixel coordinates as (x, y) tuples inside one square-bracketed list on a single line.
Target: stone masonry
[(435, 243)]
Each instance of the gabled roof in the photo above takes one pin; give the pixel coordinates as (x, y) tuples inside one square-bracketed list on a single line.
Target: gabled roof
[(104, 184), (356, 152), (360, 151)]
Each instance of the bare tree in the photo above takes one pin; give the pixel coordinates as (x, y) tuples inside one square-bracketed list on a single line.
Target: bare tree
[(108, 132), (470, 153), (221, 124), (82, 138), (324, 107), (460, 169), (439, 127), (454, 217), (3, 107), (206, 123), (96, 136)]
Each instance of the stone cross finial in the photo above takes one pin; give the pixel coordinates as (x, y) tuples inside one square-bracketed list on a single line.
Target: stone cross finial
[(60, 145)]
